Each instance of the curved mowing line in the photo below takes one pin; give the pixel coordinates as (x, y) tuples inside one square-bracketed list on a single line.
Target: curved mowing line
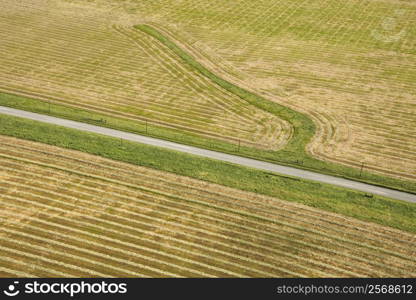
[(247, 114), (219, 124), (161, 61), (304, 128)]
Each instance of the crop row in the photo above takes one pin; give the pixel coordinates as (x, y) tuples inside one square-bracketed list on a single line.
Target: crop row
[(118, 219)]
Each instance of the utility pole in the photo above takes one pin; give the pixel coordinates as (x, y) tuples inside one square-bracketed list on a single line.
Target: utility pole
[(238, 146), (146, 126), (362, 167)]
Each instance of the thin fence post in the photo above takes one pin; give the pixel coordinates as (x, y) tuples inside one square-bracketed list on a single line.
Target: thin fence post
[(238, 146), (146, 126), (362, 167)]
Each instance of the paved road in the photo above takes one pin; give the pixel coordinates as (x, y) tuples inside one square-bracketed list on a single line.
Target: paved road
[(367, 188)]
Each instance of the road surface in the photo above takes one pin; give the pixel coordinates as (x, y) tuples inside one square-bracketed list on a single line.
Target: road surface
[(248, 162)]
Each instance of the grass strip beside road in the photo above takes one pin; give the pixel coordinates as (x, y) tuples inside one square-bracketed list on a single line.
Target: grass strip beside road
[(377, 209)]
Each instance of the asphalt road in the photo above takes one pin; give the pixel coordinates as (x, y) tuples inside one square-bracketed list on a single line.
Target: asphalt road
[(248, 162)]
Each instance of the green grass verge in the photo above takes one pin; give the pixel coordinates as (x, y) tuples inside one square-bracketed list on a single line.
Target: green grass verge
[(293, 154), (394, 213)]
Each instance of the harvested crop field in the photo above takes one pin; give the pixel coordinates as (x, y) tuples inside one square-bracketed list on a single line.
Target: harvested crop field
[(77, 58), (67, 213), (349, 65)]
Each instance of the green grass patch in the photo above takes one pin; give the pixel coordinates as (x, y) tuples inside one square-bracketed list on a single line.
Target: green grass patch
[(381, 210)]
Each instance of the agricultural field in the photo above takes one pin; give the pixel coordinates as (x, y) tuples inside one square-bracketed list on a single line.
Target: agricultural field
[(349, 65), (346, 65), (67, 213), (83, 61), (328, 86)]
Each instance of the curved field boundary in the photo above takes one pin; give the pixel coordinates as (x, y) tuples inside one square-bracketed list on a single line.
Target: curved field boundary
[(139, 81), (304, 128), (351, 127)]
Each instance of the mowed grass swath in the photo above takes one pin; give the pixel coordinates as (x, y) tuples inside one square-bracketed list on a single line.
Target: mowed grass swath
[(67, 213), (84, 62)]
